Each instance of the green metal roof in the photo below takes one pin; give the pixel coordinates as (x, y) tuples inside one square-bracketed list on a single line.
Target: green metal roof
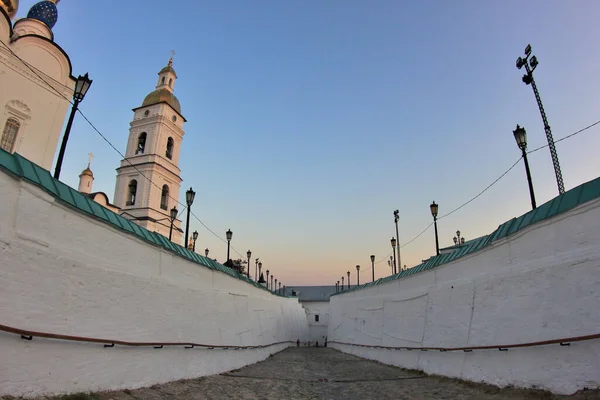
[(22, 168), (560, 204)]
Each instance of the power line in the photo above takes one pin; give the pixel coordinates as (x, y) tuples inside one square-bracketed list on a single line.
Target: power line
[(566, 137)]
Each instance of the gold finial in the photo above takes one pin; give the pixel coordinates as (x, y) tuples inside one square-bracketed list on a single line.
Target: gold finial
[(171, 59), (91, 155)]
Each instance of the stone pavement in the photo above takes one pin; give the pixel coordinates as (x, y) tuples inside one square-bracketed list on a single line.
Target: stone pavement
[(324, 373)]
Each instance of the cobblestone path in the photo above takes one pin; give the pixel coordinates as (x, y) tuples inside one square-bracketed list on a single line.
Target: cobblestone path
[(322, 373)]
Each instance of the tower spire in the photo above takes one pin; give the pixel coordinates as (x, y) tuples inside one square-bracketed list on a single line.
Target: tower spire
[(171, 59)]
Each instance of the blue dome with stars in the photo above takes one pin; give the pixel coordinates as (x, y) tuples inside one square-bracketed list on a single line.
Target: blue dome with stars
[(44, 11)]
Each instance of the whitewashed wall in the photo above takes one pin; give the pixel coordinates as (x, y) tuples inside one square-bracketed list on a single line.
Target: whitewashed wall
[(317, 331), (64, 272), (541, 284)]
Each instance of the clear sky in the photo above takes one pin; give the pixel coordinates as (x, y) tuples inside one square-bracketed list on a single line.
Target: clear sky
[(309, 122)]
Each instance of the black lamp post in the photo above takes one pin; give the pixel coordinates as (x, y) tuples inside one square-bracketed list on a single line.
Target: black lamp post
[(393, 242), (275, 288), (358, 275), (206, 252), (434, 213), (194, 237), (82, 85), (530, 64), (173, 215), (396, 218), (249, 254), (279, 287), (229, 235), (338, 286), (255, 266), (521, 138), (259, 269), (267, 279), (189, 200), (342, 283), (373, 267), (348, 279)]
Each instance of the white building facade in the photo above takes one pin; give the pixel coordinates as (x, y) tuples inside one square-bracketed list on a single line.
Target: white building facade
[(315, 301), (148, 179), (36, 81)]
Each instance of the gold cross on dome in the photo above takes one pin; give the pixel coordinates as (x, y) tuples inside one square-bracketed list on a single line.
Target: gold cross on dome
[(172, 53), (91, 155)]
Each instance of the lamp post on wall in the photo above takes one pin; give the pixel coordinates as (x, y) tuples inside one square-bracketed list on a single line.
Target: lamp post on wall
[(271, 282), (279, 287), (173, 215), (396, 218), (530, 65), (337, 284), (373, 267), (255, 266), (82, 85), (267, 279), (394, 242), (259, 269), (458, 240), (521, 138), (206, 252), (434, 213), (275, 289), (358, 275), (229, 235), (249, 254), (194, 237), (189, 200), (342, 283), (348, 279)]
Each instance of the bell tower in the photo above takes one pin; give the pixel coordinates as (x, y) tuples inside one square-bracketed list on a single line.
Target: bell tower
[(153, 148)]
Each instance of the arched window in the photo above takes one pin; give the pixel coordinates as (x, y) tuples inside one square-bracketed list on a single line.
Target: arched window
[(163, 80), (164, 197), (141, 143), (169, 152), (171, 82), (132, 193), (9, 135)]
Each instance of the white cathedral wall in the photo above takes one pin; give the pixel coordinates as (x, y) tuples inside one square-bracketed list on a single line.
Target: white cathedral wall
[(64, 272), (25, 96), (317, 331), (540, 284)]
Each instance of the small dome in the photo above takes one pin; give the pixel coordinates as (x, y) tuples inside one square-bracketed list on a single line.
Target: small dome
[(168, 68), (10, 6), (44, 11), (162, 95), (87, 172)]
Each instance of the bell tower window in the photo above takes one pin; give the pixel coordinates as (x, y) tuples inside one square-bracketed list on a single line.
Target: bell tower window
[(132, 193), (141, 143), (162, 82), (171, 82), (164, 197), (9, 134), (169, 152)]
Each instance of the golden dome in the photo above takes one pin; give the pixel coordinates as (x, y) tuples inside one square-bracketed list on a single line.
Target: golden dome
[(10, 6), (160, 96), (87, 172)]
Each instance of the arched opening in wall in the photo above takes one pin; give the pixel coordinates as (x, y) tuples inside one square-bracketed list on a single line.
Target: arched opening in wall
[(171, 82), (169, 152), (162, 82), (164, 197), (141, 143), (9, 134), (132, 193)]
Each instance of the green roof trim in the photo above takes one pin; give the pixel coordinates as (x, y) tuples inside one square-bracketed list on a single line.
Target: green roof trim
[(567, 201), (21, 168)]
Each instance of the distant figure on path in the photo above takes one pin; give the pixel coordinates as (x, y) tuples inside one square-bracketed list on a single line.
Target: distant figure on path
[(298, 343), (317, 344)]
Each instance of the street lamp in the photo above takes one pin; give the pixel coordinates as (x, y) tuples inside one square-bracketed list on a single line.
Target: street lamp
[(228, 234), (393, 242), (348, 279), (189, 200), (336, 286), (434, 213), (81, 87), (267, 279), (173, 215), (195, 237), (206, 252), (259, 268), (249, 254), (279, 287), (255, 266), (275, 290), (530, 64), (396, 218), (458, 241), (358, 275), (271, 282), (373, 267), (342, 283), (521, 138)]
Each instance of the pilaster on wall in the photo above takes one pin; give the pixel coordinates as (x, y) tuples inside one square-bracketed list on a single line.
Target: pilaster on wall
[(66, 273), (540, 284)]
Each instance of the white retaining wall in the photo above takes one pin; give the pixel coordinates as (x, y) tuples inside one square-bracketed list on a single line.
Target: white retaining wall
[(64, 272), (541, 284)]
